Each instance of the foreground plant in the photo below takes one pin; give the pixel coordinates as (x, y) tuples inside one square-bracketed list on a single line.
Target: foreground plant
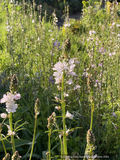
[(64, 73), (37, 112), (90, 147), (10, 99)]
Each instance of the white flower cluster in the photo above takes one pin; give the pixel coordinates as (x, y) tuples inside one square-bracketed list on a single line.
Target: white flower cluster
[(60, 67), (9, 99)]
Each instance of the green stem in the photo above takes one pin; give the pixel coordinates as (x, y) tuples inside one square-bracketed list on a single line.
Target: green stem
[(12, 136), (61, 146), (4, 147), (33, 138), (49, 146), (92, 110), (63, 117), (91, 124)]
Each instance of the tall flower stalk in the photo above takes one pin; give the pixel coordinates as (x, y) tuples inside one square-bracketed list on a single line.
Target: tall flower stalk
[(63, 71), (51, 123), (37, 112), (63, 117), (12, 134), (11, 106), (90, 147)]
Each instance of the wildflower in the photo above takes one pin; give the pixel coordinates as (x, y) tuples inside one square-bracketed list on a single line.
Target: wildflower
[(118, 25), (69, 115), (92, 32), (60, 135), (72, 73), (17, 96), (58, 108), (85, 74), (3, 115), (66, 25), (10, 103), (102, 50), (110, 54), (70, 81), (59, 66), (92, 65), (77, 87), (113, 53), (76, 60), (7, 98), (100, 64), (11, 107), (66, 95), (118, 35), (67, 132), (113, 23), (114, 114), (33, 21), (10, 133), (97, 81)]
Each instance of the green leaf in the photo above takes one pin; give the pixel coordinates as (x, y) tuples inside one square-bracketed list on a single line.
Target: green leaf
[(18, 143)]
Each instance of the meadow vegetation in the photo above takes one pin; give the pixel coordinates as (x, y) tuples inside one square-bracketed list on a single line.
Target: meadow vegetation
[(70, 74)]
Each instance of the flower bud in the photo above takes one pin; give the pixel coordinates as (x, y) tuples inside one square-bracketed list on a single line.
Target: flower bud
[(37, 107), (13, 84), (90, 137), (51, 120), (67, 45), (16, 156), (3, 115), (7, 157)]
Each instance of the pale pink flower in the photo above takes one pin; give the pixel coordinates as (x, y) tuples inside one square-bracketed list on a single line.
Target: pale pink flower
[(92, 65), (67, 131), (11, 107), (3, 115), (71, 61), (77, 87), (10, 133), (72, 73), (110, 54), (10, 97), (69, 115), (70, 81), (17, 96), (100, 64), (59, 66), (66, 95), (92, 32), (58, 108), (7, 98), (113, 53)]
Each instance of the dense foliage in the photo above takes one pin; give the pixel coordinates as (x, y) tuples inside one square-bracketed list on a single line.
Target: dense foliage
[(30, 47)]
